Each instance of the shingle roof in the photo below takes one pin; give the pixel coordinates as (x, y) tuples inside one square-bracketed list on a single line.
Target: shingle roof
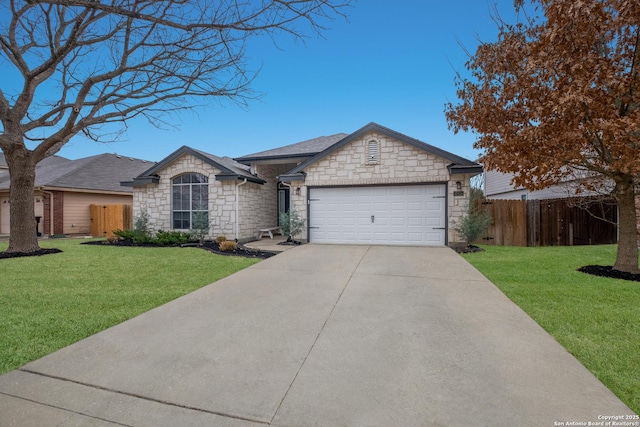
[(44, 162), (103, 172), (229, 163), (306, 148), (230, 168), (458, 164)]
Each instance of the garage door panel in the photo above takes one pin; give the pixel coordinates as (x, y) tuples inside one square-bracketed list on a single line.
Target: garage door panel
[(413, 214)]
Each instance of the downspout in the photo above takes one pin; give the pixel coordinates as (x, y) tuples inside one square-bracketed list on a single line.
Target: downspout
[(50, 210), (238, 209)]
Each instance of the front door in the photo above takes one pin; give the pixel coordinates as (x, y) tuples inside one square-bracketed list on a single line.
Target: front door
[(283, 200)]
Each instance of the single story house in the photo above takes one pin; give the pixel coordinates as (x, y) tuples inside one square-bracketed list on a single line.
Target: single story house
[(373, 186), (65, 189)]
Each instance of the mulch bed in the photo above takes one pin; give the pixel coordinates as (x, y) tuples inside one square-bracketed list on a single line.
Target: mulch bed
[(466, 249), (608, 271), (40, 252), (211, 246)]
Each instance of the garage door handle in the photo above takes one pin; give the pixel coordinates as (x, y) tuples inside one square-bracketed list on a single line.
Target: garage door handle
[(372, 217), (438, 228)]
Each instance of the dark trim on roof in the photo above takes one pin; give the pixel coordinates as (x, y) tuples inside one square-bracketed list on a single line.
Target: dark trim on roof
[(150, 176), (290, 177), (186, 150), (141, 180), (247, 160), (236, 177), (465, 169), (374, 127)]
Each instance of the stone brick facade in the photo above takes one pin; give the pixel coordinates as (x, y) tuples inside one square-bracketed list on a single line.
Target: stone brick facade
[(257, 204), (398, 163)]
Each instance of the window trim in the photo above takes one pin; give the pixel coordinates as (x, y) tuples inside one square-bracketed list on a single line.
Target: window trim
[(204, 182)]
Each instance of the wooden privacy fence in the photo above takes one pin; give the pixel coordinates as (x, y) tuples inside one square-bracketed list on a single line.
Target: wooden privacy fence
[(550, 222), (107, 218)]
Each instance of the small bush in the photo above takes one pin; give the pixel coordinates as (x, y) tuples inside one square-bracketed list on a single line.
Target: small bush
[(221, 239), (200, 225), (475, 222), (291, 223), (169, 238), (141, 223), (228, 246), (136, 237)]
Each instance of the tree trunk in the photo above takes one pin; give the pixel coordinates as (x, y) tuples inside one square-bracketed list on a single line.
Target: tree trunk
[(627, 257), (22, 168)]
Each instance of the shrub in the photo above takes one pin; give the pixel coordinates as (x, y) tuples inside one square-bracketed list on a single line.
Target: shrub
[(200, 225), (291, 223), (475, 222), (221, 239), (141, 223), (135, 237), (169, 238), (228, 246)]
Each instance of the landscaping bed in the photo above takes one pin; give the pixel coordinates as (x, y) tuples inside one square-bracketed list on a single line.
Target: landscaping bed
[(40, 252), (209, 245), (608, 271)]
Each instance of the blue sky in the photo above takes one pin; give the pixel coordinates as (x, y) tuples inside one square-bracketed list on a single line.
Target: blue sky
[(393, 62)]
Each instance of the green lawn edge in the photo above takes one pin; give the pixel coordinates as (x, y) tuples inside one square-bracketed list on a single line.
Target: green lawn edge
[(49, 302), (595, 319)]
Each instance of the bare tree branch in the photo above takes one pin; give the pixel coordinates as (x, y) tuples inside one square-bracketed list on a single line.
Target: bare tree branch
[(85, 64)]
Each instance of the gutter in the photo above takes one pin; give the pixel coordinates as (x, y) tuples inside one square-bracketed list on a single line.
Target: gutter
[(237, 208)]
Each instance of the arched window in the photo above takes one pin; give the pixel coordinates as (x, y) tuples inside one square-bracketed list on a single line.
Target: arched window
[(190, 194)]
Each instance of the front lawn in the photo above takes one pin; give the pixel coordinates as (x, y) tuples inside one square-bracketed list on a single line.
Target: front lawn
[(48, 302), (596, 319)]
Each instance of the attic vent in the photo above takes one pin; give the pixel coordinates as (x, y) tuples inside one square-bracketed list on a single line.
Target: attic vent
[(373, 152)]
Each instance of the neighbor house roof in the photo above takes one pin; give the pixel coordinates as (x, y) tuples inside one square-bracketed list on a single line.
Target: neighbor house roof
[(303, 149), (230, 169), (44, 162), (102, 172), (458, 164)]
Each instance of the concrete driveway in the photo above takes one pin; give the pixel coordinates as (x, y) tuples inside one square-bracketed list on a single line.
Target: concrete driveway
[(318, 336)]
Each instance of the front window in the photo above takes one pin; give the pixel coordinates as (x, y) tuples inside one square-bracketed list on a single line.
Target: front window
[(190, 195)]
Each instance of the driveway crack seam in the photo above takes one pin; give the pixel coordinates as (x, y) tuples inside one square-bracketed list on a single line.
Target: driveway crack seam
[(318, 336), (70, 411), (139, 396)]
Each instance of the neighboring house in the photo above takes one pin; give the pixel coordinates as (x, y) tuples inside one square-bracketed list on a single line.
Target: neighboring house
[(372, 186), (497, 185), (64, 190)]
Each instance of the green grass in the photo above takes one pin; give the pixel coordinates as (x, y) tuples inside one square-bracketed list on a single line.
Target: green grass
[(596, 319), (48, 302)]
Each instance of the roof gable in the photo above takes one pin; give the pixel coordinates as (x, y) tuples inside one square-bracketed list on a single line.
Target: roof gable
[(230, 169), (458, 164)]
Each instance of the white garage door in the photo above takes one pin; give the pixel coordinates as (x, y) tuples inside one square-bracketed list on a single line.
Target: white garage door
[(393, 215)]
